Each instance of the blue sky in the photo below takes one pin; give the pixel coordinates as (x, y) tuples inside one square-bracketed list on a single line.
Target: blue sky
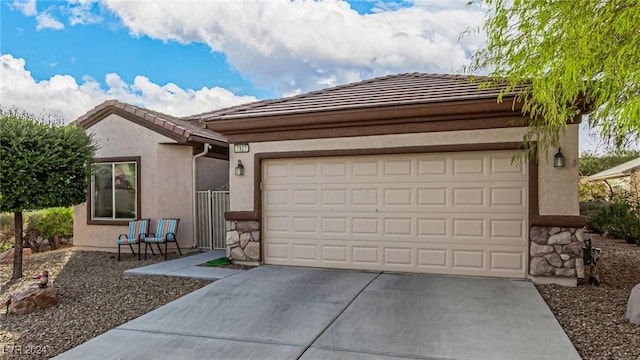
[(190, 56)]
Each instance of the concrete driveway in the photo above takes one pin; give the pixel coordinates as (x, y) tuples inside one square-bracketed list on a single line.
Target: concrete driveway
[(274, 312)]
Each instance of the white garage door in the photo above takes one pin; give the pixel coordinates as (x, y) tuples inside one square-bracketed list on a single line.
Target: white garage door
[(447, 213)]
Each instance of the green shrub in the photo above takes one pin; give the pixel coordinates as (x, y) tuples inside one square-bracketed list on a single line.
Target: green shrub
[(588, 208), (56, 222), (620, 218), (6, 220)]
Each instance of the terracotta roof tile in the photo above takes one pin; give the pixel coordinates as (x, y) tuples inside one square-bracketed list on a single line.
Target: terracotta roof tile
[(392, 90), (184, 129)]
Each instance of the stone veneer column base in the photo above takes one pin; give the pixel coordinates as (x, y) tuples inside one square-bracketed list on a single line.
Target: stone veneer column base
[(243, 241), (556, 253)]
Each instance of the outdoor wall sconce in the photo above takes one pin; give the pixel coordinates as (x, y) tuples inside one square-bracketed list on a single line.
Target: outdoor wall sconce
[(558, 160), (240, 169)]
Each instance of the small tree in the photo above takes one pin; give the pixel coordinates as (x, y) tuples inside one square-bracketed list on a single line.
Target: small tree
[(42, 164), (572, 54)]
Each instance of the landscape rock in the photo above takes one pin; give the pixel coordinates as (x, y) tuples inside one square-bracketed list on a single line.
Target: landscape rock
[(561, 238), (633, 306), (539, 250), (540, 267), (30, 297), (7, 256)]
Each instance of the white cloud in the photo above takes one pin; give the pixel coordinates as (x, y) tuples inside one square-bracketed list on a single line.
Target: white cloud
[(64, 97), (303, 45), (26, 7), (81, 12), (47, 21)]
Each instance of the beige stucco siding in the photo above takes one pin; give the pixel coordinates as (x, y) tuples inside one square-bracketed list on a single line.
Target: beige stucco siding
[(165, 176), (211, 173), (558, 187)]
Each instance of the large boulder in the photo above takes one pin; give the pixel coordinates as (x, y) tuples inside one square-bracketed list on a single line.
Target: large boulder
[(30, 297), (7, 256), (633, 306)]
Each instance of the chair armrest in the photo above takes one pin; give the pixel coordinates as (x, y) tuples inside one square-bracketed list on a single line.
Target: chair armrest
[(171, 235), (125, 236)]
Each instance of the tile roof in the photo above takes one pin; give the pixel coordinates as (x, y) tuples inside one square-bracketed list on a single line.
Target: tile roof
[(184, 130), (621, 170), (392, 90)]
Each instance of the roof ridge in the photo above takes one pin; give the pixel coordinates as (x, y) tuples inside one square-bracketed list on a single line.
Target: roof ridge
[(256, 104)]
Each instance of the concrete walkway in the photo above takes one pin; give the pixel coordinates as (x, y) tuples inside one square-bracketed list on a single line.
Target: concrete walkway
[(187, 266), (273, 312)]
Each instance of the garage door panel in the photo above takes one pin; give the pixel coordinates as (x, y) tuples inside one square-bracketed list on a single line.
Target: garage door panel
[(398, 256), (461, 213)]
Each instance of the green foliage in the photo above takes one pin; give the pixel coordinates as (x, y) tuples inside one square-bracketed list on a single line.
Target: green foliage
[(6, 220), (590, 163), (575, 55), (589, 208), (42, 164), (56, 222), (620, 218)]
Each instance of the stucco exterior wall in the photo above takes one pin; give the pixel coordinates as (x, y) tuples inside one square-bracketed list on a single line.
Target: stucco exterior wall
[(211, 173), (165, 181), (558, 188)]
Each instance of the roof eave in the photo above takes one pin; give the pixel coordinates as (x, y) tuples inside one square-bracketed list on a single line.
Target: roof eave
[(475, 108)]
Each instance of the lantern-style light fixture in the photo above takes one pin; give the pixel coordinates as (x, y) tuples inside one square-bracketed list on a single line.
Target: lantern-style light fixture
[(558, 160), (239, 169)]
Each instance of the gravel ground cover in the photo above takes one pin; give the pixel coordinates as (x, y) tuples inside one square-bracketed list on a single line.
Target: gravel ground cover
[(93, 296), (594, 316), (92, 293)]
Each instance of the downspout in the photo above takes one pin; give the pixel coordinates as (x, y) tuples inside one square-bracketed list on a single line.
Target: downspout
[(194, 243)]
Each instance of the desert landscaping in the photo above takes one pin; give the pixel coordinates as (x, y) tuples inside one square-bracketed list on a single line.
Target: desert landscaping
[(94, 296)]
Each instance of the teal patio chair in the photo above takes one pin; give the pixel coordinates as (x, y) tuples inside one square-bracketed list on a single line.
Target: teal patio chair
[(138, 230), (166, 232)]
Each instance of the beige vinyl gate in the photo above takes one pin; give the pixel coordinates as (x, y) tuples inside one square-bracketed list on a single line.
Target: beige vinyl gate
[(447, 213)]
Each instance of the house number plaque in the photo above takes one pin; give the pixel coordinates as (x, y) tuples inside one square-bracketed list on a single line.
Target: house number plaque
[(241, 148)]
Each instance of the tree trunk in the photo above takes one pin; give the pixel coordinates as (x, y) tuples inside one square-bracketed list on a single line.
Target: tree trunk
[(54, 242), (17, 255)]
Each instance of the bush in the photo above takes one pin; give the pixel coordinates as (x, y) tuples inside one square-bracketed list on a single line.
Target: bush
[(588, 208), (51, 224), (7, 232), (33, 236), (56, 223), (620, 218)]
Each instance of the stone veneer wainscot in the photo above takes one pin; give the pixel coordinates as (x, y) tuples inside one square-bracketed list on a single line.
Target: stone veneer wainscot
[(556, 251), (243, 240)]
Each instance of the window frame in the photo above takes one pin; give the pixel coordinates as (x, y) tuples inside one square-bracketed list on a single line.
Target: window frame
[(128, 159)]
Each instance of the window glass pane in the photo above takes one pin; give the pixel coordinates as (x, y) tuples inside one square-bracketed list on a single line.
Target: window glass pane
[(125, 190), (102, 197)]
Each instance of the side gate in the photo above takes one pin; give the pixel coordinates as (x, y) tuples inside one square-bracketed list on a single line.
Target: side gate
[(210, 208)]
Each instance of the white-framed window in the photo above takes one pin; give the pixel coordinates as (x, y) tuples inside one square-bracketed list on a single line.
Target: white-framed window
[(114, 193)]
